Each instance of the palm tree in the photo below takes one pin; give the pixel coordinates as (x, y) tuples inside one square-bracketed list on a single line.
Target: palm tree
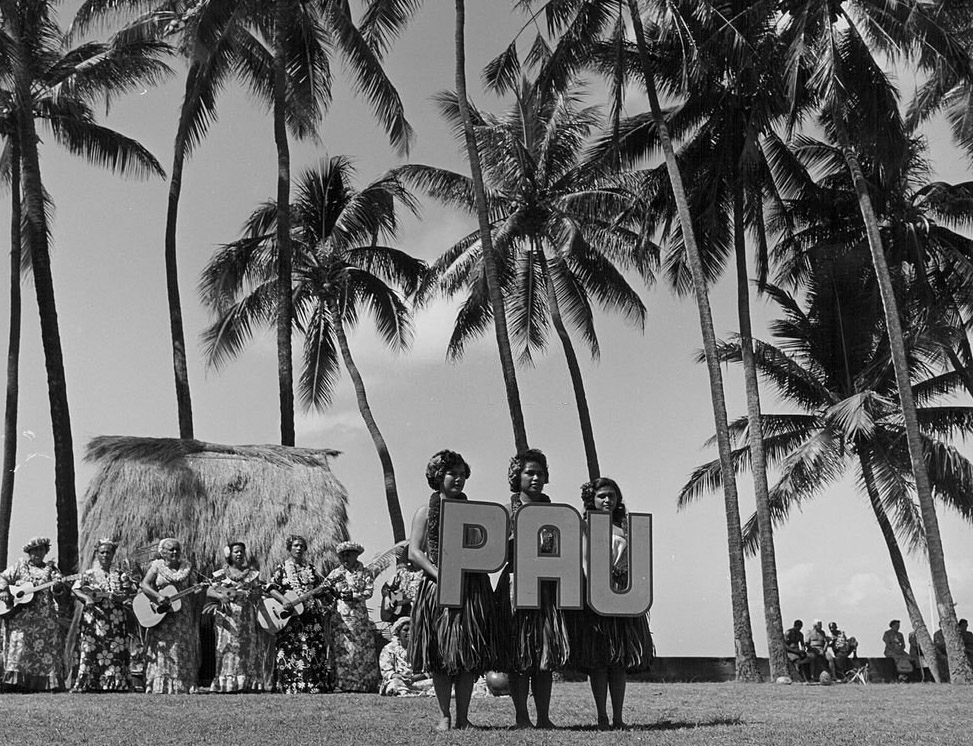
[(734, 96), (282, 50), (553, 223), (57, 86), (12, 160), (205, 30), (595, 33), (831, 59), (493, 284), (831, 362), (339, 270)]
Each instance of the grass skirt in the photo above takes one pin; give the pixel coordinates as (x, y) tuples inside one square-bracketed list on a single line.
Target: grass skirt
[(454, 641), (609, 641), (535, 639)]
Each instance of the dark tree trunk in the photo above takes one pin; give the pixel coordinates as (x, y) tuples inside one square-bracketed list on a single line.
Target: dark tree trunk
[(285, 368), (13, 359), (746, 654), (489, 260), (391, 492), (184, 404)]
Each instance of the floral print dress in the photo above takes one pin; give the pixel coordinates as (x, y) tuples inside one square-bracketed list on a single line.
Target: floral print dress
[(240, 643), (103, 633), (33, 646), (172, 646), (353, 633), (302, 661)]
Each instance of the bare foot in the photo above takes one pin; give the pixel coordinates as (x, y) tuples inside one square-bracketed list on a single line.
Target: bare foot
[(523, 724), (443, 723), (603, 724), (546, 724), (464, 725), (619, 725)]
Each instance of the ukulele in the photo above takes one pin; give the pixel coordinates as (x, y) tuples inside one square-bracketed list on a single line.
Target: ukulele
[(24, 593)]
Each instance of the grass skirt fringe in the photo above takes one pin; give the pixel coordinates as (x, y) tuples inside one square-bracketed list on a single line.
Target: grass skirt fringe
[(535, 639), (454, 641), (608, 641)]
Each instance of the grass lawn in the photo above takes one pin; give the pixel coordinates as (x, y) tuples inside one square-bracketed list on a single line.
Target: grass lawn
[(724, 714)]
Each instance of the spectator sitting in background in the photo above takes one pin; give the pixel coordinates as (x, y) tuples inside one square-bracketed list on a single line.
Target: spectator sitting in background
[(796, 651), (396, 668), (895, 649), (967, 639), (842, 649), (817, 648)]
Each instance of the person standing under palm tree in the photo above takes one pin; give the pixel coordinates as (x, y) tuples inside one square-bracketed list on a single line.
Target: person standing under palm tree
[(302, 662), (608, 647), (352, 632), (240, 644), (32, 640), (172, 646), (453, 645), (539, 637), (103, 637)]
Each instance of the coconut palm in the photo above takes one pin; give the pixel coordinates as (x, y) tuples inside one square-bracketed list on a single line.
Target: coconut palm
[(831, 363), (832, 62), (283, 51), (554, 227), (340, 269), (490, 264), (595, 34), (735, 94), (57, 85), (11, 156)]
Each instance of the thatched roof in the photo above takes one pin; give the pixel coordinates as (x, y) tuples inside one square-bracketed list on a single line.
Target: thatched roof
[(206, 495)]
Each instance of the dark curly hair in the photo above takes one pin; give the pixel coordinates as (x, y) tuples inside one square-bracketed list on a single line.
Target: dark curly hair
[(440, 463), (588, 490), (292, 538), (519, 462)]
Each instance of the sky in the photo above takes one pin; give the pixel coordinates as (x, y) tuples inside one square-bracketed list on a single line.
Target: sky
[(649, 399)]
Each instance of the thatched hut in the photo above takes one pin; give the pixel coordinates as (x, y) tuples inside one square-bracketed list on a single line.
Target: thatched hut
[(206, 495)]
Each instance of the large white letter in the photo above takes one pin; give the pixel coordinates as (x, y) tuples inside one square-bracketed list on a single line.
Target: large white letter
[(637, 598), (548, 547), (472, 538)]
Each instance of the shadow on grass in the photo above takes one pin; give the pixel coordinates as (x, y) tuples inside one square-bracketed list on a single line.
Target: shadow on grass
[(666, 725)]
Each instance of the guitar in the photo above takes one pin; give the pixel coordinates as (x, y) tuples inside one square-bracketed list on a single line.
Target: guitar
[(149, 612), (24, 593), (273, 615)]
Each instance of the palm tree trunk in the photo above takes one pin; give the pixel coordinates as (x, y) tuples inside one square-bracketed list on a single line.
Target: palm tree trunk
[(391, 493), (285, 369), (13, 359), (36, 223), (746, 655), (959, 666), (758, 460), (184, 404), (898, 563), (486, 241), (587, 433)]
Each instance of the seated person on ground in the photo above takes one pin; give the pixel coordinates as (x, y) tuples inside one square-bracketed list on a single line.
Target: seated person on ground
[(817, 648), (396, 668), (796, 651), (843, 648), (895, 649)]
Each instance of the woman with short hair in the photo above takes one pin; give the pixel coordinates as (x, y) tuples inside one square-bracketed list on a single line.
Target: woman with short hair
[(302, 660), (103, 638), (172, 645), (240, 643)]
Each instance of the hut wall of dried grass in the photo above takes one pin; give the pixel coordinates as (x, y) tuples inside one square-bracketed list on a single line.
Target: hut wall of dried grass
[(207, 495)]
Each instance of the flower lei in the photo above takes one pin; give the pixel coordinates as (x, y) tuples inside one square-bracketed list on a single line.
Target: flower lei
[(237, 575), (298, 577), (107, 580), (172, 576)]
